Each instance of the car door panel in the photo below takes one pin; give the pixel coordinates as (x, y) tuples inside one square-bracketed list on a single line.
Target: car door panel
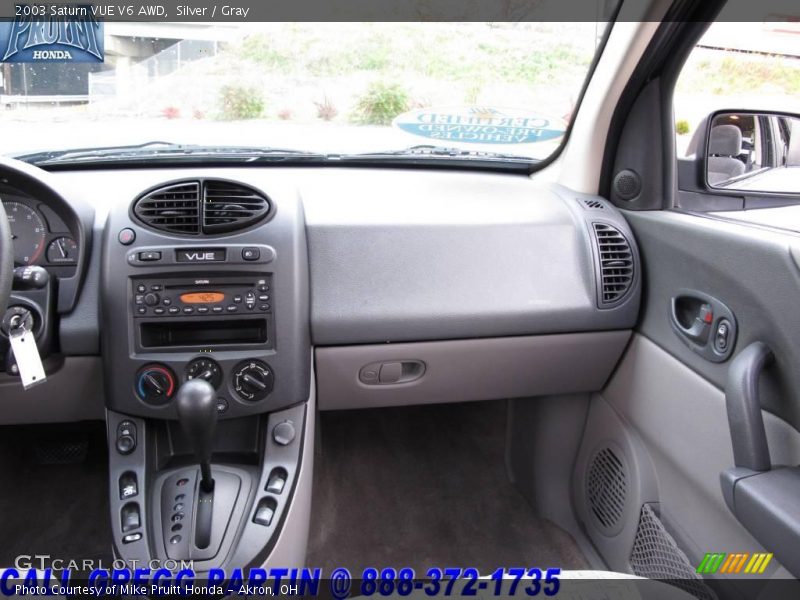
[(673, 398)]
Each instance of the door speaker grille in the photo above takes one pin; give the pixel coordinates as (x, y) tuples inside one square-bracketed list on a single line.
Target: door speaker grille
[(606, 488), (656, 555)]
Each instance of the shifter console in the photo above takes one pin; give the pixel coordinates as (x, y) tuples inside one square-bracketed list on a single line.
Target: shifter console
[(207, 360)]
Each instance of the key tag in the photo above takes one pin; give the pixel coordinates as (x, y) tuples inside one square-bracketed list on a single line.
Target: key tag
[(26, 355)]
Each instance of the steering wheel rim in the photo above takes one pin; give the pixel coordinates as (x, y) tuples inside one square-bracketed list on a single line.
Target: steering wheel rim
[(6, 261)]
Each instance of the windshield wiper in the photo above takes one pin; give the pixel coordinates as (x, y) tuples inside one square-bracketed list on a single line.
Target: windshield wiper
[(157, 150), (425, 151)]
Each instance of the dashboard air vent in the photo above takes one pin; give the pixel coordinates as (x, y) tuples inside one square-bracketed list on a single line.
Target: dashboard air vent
[(616, 264), (230, 206), (173, 208)]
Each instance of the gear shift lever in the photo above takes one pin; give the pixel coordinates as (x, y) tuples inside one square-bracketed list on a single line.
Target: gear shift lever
[(197, 411)]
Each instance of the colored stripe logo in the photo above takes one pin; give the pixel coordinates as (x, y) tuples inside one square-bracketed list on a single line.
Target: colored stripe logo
[(734, 563)]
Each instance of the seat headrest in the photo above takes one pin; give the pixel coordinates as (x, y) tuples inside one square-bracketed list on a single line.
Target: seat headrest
[(725, 140)]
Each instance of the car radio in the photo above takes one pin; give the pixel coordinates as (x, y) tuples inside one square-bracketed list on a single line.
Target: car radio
[(201, 296)]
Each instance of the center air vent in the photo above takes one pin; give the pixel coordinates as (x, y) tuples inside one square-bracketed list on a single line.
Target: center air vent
[(225, 207), (616, 264), (174, 208), (230, 206)]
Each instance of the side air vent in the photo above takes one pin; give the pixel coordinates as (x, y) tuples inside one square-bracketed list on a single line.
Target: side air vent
[(616, 264), (173, 208), (606, 487), (230, 206)]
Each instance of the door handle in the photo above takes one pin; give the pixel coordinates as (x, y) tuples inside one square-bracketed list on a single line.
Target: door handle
[(700, 320), (748, 435), (760, 496), (704, 324)]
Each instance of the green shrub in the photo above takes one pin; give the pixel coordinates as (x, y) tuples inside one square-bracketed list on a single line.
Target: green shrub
[(682, 127), (238, 102), (381, 103)]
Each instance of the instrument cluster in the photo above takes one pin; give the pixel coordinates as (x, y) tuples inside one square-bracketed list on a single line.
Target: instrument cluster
[(39, 235)]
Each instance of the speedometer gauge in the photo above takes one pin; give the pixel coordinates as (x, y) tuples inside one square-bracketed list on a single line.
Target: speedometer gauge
[(27, 232)]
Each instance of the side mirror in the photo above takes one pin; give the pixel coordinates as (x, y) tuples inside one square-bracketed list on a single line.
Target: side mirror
[(753, 151)]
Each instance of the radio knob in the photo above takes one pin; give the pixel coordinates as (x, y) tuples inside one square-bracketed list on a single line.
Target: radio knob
[(151, 299)]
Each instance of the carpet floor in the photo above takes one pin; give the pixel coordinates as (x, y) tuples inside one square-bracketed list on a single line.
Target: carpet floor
[(58, 510), (421, 487)]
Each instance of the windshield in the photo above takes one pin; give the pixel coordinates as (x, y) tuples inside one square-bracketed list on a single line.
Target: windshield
[(459, 89)]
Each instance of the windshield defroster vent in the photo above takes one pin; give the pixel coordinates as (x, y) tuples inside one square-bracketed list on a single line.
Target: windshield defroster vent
[(174, 208), (616, 264), (230, 206)]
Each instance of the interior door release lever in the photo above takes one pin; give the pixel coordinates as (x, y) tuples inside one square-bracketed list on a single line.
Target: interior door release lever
[(704, 324), (700, 327)]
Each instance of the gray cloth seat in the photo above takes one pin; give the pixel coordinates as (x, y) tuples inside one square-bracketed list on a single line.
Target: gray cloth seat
[(724, 145)]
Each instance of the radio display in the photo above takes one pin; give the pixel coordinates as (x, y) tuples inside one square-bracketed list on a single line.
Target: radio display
[(202, 298)]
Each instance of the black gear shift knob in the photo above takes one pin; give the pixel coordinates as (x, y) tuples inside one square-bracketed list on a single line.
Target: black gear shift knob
[(197, 411)]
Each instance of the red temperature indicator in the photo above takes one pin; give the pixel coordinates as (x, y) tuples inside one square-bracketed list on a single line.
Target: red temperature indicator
[(203, 298)]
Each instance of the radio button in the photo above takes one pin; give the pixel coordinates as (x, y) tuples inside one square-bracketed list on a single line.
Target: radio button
[(156, 287), (188, 309), (237, 299), (141, 288), (232, 308), (201, 310), (139, 299), (251, 253), (141, 310), (149, 255), (263, 287), (264, 307), (174, 310), (166, 301), (159, 310), (216, 309), (263, 297)]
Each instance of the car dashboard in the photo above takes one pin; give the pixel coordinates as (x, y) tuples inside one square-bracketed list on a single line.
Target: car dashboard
[(290, 290)]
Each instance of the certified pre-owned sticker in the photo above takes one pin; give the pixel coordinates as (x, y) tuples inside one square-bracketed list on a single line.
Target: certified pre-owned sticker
[(480, 125)]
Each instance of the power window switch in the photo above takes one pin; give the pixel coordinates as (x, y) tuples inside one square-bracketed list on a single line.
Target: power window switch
[(276, 482), (265, 512), (131, 519), (128, 486)]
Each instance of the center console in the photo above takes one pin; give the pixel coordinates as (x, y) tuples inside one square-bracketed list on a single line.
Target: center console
[(207, 364)]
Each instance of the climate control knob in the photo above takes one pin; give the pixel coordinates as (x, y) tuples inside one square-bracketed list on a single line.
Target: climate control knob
[(155, 384), (205, 368), (253, 380)]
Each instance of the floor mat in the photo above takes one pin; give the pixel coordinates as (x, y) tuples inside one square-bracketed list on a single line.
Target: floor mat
[(425, 486), (58, 510)]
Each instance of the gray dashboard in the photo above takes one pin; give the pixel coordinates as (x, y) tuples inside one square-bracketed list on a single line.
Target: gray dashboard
[(491, 285), (402, 255)]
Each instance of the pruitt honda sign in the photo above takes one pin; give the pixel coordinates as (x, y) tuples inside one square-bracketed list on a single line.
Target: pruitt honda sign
[(40, 35)]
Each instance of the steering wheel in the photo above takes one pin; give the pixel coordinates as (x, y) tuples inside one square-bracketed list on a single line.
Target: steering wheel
[(6, 260)]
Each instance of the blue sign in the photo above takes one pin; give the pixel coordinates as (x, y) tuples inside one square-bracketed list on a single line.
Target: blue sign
[(52, 36), (479, 125)]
